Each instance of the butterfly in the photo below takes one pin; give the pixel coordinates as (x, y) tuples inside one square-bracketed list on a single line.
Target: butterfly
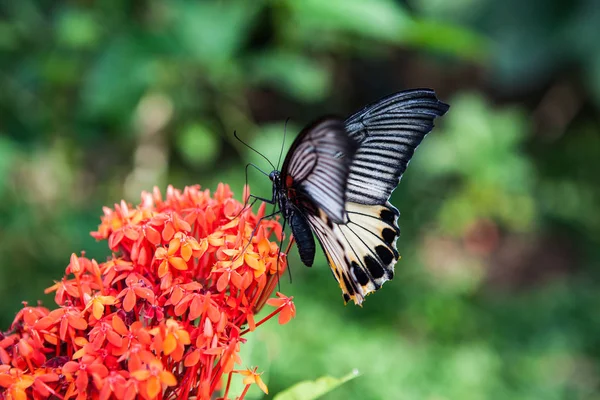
[(336, 181)]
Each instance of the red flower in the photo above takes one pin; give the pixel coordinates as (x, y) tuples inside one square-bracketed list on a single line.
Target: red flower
[(164, 317), (153, 379), (285, 305), (137, 286), (83, 370)]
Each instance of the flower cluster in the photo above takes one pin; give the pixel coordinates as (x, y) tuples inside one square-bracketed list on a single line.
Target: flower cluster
[(164, 316)]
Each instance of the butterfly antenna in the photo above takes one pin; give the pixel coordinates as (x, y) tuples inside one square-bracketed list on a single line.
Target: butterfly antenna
[(282, 143), (248, 196), (254, 150)]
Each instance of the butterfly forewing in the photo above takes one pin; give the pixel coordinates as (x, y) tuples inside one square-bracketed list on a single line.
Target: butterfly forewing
[(388, 133), (317, 166)]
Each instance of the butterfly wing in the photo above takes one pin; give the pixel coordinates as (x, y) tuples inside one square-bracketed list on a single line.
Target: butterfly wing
[(362, 252), (388, 133), (315, 171)]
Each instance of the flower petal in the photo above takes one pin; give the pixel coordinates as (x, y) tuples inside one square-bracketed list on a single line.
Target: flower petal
[(169, 344), (178, 263), (153, 387)]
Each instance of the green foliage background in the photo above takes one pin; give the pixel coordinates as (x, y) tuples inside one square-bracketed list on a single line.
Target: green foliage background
[(496, 295)]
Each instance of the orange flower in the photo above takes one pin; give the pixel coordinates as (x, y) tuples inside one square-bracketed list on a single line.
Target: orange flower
[(286, 305), (250, 377), (16, 383), (170, 339), (84, 369), (69, 319), (168, 258), (153, 377), (137, 286), (97, 304), (164, 316)]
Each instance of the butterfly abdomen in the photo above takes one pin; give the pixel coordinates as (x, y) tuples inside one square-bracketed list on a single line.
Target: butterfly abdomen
[(304, 238)]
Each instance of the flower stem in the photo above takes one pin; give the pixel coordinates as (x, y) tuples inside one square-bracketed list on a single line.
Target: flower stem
[(244, 392), (265, 319)]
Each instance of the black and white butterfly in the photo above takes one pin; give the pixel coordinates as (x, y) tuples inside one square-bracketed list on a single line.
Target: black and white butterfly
[(336, 182)]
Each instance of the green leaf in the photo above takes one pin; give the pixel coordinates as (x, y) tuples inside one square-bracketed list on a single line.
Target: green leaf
[(309, 390), (378, 19), (448, 38), (119, 77), (212, 32), (303, 78), (78, 29)]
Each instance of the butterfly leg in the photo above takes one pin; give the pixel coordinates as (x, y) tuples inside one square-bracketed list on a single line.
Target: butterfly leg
[(246, 185), (269, 201), (256, 229)]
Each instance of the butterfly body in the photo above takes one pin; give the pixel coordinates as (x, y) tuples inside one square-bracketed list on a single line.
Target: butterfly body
[(336, 181), (300, 228)]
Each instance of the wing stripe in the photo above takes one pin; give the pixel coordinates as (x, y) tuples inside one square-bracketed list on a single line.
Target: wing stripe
[(363, 190), (367, 178), (365, 167), (319, 163), (388, 132)]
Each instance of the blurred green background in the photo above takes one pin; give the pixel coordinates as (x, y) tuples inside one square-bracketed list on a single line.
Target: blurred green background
[(496, 295)]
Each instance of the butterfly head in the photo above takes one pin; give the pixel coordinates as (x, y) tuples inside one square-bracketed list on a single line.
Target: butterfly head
[(274, 176)]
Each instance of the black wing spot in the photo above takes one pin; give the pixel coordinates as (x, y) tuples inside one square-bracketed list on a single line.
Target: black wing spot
[(384, 254), (374, 267), (388, 216), (389, 235), (348, 284), (360, 275), (346, 297)]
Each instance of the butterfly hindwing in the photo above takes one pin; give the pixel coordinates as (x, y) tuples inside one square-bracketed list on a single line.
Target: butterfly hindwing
[(387, 133), (361, 253)]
